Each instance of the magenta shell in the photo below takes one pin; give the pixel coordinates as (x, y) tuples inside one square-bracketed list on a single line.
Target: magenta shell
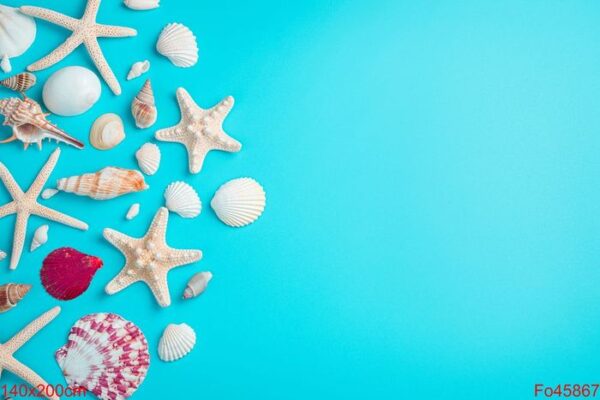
[(67, 273)]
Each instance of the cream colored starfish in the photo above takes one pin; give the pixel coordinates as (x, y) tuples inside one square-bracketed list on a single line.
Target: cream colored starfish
[(149, 258), (85, 30), (199, 130), (9, 363), (25, 204)]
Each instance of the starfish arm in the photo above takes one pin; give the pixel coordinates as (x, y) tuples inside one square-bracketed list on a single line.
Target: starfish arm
[(197, 151), (30, 376), (114, 31), (158, 227), (120, 282), (8, 209), (57, 54), (160, 289), (118, 239), (10, 183), (221, 110), (172, 134), (178, 258), (91, 10), (50, 16), (224, 142), (30, 330), (185, 101), (19, 239), (53, 215), (102, 65), (38, 184)]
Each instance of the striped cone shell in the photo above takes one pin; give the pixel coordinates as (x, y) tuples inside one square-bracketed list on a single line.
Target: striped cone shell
[(20, 82), (11, 294)]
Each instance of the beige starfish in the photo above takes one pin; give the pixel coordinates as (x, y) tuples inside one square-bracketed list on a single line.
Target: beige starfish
[(199, 130), (8, 362), (149, 258), (25, 204), (85, 30)]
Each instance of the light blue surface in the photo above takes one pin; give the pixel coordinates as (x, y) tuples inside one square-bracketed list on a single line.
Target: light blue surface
[(432, 226)]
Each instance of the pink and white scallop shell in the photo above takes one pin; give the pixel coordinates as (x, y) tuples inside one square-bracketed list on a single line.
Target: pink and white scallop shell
[(105, 354)]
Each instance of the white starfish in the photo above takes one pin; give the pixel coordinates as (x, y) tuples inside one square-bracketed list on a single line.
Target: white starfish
[(85, 30), (199, 130), (25, 204)]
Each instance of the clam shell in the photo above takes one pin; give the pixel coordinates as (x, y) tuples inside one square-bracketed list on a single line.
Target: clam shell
[(182, 199), (239, 202), (142, 4), (148, 158), (137, 69), (142, 107), (48, 193), (20, 82), (11, 294), (40, 237), (105, 184), (133, 211), (197, 284), (107, 132), (67, 273), (18, 34), (71, 91), (107, 355), (178, 44), (176, 342)]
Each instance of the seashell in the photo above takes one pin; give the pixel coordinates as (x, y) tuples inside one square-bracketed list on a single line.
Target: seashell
[(176, 342), (20, 82), (48, 193), (29, 123), (105, 184), (107, 132), (148, 158), (71, 91), (2, 255), (137, 69), (142, 4), (239, 202), (197, 285), (18, 34), (178, 44), (66, 273), (133, 212), (11, 294), (105, 354), (182, 199), (40, 237), (142, 107)]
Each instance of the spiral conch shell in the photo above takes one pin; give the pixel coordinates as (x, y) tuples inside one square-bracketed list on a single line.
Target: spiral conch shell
[(107, 132), (20, 82), (137, 69), (11, 294), (105, 184), (143, 108), (40, 237)]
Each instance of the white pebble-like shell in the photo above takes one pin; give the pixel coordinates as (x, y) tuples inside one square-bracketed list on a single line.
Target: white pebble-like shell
[(2, 255), (133, 212), (176, 342), (17, 34), (137, 69), (71, 91), (142, 4), (178, 44), (48, 193), (239, 202), (182, 199), (148, 158), (107, 132), (40, 237)]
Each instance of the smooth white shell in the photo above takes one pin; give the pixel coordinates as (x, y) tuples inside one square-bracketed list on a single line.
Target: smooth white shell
[(17, 33), (148, 158), (197, 284), (176, 342), (40, 237), (2, 255), (137, 69), (142, 4), (182, 199), (48, 193), (71, 91), (239, 202), (5, 64), (178, 44), (107, 132), (133, 212)]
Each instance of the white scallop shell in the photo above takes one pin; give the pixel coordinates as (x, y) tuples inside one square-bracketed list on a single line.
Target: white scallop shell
[(176, 342), (182, 199), (142, 4), (148, 158), (137, 69), (18, 33), (133, 212), (178, 44), (48, 193), (40, 237), (107, 132), (239, 202), (71, 91)]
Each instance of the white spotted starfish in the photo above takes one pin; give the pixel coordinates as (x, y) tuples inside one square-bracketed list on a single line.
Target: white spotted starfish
[(85, 30), (25, 204), (149, 258), (10, 363), (199, 130)]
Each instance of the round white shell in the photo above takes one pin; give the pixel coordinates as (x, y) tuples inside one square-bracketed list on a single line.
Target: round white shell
[(17, 34), (178, 44), (176, 342), (71, 91), (239, 202), (148, 158), (142, 4), (107, 132), (182, 199)]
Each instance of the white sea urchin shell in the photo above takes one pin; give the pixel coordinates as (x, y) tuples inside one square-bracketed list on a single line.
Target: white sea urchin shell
[(176, 342), (178, 44), (182, 199), (148, 158), (239, 202)]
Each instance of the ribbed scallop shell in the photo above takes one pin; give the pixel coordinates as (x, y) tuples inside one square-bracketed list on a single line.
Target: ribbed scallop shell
[(105, 184), (107, 132), (239, 202), (142, 107), (142, 4), (176, 342), (182, 199), (148, 158), (107, 355), (178, 44), (20, 82), (40, 237), (11, 294)]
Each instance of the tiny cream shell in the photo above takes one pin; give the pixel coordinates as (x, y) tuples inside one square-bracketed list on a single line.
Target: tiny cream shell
[(107, 132), (48, 193), (176, 342), (143, 108), (239, 202), (142, 4), (2, 255), (133, 212), (40, 237), (5, 64), (148, 158), (105, 184), (137, 69), (182, 199), (197, 284), (178, 44)]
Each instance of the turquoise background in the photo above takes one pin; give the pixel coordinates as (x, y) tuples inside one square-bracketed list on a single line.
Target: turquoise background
[(432, 222)]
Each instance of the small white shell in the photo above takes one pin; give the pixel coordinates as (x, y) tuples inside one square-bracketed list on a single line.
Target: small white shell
[(5, 64), (48, 193), (197, 284), (239, 202), (2, 255), (178, 44), (107, 132), (148, 158), (141, 4), (40, 237), (182, 199), (133, 212), (176, 342), (137, 69)]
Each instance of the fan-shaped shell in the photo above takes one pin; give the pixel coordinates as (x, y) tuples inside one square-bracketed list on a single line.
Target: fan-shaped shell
[(176, 342), (40, 237), (148, 158), (182, 199), (142, 107), (107, 355), (178, 44), (142, 4), (107, 132), (239, 202), (20, 82), (67, 273), (105, 184), (18, 33), (11, 294)]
